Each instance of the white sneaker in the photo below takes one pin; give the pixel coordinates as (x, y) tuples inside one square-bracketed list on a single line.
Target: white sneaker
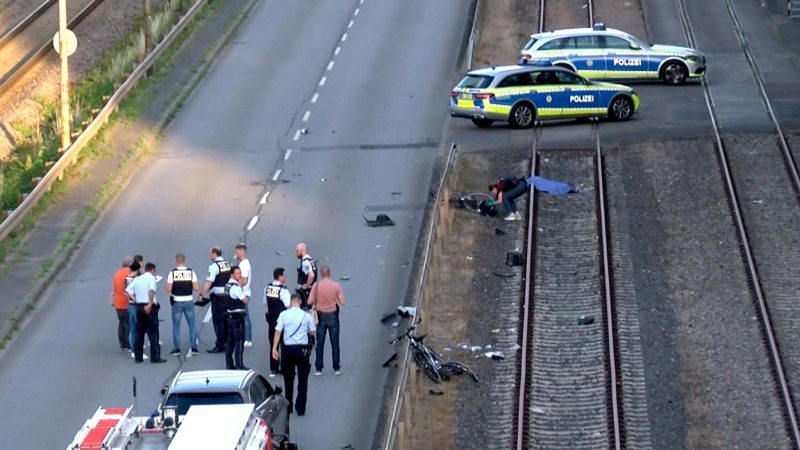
[(318, 374), (144, 356), (337, 372), (510, 217), (271, 375), (248, 344), (518, 215)]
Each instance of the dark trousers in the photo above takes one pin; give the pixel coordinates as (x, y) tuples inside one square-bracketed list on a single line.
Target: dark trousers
[(294, 361), (147, 323), (328, 322), (272, 322), (234, 346), (123, 328), (509, 205), (218, 317)]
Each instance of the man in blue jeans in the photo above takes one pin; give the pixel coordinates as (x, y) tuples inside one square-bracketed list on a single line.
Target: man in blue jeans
[(327, 298), (506, 190), (181, 285)]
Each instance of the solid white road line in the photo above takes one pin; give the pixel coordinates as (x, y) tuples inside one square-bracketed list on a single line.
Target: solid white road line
[(314, 98), (264, 199), (296, 135), (305, 116), (277, 174), (287, 154), (322, 81), (253, 222), (330, 65)]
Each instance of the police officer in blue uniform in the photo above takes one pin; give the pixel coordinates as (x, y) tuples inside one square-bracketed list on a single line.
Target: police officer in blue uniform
[(219, 272), (235, 311), (276, 297)]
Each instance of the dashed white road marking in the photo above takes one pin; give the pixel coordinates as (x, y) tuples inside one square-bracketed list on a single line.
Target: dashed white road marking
[(296, 135), (336, 52), (264, 199), (350, 25), (287, 154), (360, 2), (344, 37), (305, 116), (355, 13), (252, 223), (277, 174), (322, 81), (314, 98), (207, 318), (330, 65)]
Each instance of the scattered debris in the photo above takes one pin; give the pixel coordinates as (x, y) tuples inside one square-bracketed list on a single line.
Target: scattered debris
[(406, 311), (499, 232), (382, 220), (344, 278), (347, 447), (396, 193), (390, 359), (515, 347), (496, 330), (537, 410), (488, 346), (470, 258), (387, 317), (432, 392), (503, 275), (585, 320), (496, 355), (395, 324), (279, 253), (514, 259), (758, 202), (304, 131), (322, 179), (475, 348)]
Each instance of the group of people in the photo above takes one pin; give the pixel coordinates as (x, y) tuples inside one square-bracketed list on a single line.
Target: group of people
[(295, 321)]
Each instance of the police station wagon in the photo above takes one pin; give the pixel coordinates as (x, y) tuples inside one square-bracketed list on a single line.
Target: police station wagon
[(599, 53), (522, 95)]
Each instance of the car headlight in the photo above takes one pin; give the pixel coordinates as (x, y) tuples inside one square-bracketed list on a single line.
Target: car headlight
[(694, 58)]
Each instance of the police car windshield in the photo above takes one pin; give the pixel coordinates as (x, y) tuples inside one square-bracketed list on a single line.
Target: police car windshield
[(475, 82), (529, 44), (184, 401)]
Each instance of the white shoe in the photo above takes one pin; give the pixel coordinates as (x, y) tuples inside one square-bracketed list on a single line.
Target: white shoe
[(337, 372), (518, 215), (318, 374), (144, 356), (271, 375), (248, 344), (510, 217)]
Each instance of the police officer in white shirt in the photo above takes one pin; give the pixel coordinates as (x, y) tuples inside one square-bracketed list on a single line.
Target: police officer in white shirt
[(296, 327), (276, 298), (306, 273), (240, 253), (181, 284), (235, 310), (143, 292), (219, 272)]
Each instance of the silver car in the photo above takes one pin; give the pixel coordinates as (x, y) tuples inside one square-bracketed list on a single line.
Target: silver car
[(601, 53)]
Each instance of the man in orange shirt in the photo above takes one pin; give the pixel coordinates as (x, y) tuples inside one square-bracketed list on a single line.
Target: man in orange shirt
[(326, 296), (120, 303)]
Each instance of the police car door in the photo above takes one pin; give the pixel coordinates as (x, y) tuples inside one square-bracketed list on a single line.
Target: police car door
[(590, 58), (578, 98), (625, 59)]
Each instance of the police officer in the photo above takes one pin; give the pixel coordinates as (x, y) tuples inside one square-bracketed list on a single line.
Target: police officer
[(306, 273), (296, 328), (143, 292), (235, 310), (277, 298), (181, 284), (136, 268), (219, 272)]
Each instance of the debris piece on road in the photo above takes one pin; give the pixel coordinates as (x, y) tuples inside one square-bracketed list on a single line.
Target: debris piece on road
[(496, 330), (537, 410), (279, 253), (470, 258), (585, 320), (347, 447), (475, 348), (503, 275), (323, 179), (758, 202), (515, 347), (406, 311), (382, 220), (304, 131), (432, 392), (344, 278), (390, 359), (499, 232), (496, 355), (396, 193), (395, 324), (387, 317), (514, 259)]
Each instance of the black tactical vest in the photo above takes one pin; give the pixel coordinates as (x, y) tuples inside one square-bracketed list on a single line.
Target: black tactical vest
[(273, 294), (182, 282), (224, 274)]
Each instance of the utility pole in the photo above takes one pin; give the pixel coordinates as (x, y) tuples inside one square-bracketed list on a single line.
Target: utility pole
[(62, 44)]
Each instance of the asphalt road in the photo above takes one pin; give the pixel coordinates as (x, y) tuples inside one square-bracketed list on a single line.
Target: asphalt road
[(374, 128)]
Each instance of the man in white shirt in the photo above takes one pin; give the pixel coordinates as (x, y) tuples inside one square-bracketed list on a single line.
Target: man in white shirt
[(143, 292), (296, 327), (244, 265)]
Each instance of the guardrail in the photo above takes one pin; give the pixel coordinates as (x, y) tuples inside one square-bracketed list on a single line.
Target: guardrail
[(472, 35), (70, 155)]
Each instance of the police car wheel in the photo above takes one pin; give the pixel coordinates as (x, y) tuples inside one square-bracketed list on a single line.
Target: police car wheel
[(482, 123), (621, 108), (674, 73), (522, 116)]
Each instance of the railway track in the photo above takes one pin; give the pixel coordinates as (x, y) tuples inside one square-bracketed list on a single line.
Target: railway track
[(751, 176), (30, 40)]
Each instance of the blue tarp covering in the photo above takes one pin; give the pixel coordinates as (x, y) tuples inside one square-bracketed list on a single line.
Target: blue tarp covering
[(551, 186)]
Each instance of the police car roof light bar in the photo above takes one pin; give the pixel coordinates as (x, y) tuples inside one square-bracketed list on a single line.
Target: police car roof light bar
[(599, 26)]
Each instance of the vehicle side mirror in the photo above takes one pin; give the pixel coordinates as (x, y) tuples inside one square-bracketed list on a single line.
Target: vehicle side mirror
[(163, 390), (635, 47), (278, 390)]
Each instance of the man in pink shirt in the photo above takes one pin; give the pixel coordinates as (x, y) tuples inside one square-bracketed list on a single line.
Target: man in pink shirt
[(327, 297)]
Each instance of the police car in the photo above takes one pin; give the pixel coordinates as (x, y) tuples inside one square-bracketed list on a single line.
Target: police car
[(600, 53), (522, 95)]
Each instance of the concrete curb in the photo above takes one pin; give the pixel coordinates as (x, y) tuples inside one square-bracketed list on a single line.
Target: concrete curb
[(10, 331)]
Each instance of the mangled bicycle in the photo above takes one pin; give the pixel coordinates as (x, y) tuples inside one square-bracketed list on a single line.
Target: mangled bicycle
[(429, 362)]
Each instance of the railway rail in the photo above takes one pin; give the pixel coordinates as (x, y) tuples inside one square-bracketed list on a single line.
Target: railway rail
[(29, 41), (744, 180)]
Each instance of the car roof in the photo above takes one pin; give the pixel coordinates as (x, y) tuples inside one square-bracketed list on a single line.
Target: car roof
[(508, 70), (211, 381), (578, 32)]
